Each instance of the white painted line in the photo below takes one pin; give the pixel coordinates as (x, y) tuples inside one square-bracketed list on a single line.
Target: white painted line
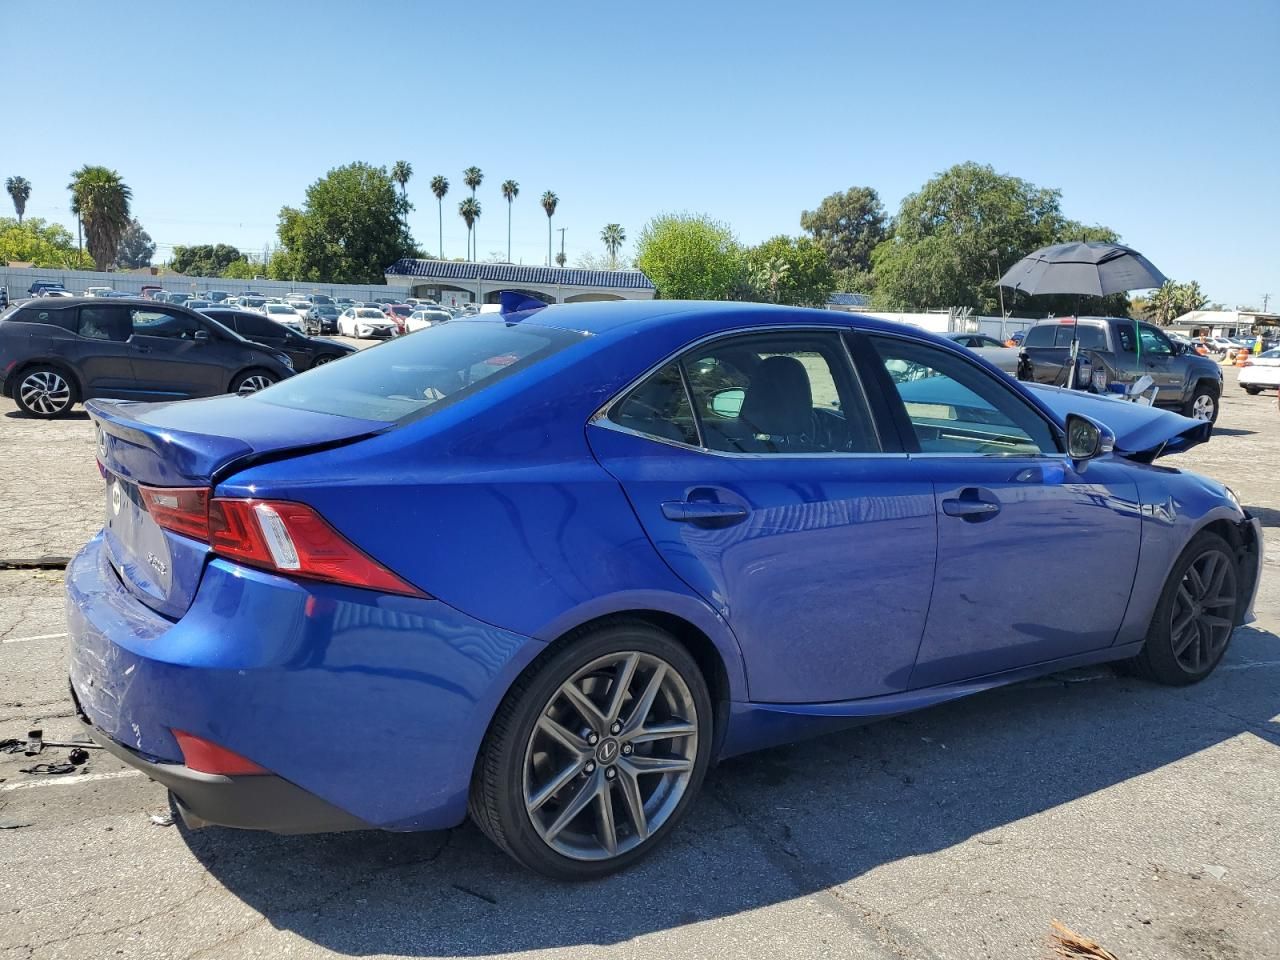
[(43, 636), (70, 780)]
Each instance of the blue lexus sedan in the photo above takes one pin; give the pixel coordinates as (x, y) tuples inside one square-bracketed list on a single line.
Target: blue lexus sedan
[(544, 567)]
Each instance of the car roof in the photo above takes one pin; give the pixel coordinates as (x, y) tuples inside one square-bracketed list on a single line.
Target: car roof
[(66, 303)]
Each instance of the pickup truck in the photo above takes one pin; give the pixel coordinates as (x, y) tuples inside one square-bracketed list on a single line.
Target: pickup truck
[(1117, 350)]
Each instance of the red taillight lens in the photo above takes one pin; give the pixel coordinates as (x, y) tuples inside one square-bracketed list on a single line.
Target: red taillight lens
[(205, 756), (292, 538), (183, 510)]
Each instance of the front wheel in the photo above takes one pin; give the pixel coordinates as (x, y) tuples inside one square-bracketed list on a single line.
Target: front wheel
[(596, 754), (1203, 404), (44, 392), (251, 381), (1196, 615)]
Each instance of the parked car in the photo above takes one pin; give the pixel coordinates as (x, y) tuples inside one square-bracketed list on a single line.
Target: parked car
[(298, 305), (1260, 372), (283, 313), (53, 293), (343, 302), (98, 291), (4, 298), (399, 312), (57, 353), (690, 533), (251, 302), (40, 287), (217, 296), (422, 318), (1185, 382), (304, 351), (192, 304), (321, 318), (319, 299), (365, 323), (990, 349)]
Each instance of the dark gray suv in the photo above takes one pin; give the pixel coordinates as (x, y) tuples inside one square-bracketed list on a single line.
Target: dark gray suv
[(55, 353)]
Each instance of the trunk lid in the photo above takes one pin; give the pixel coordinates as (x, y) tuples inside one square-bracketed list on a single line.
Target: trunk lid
[(1142, 432), (193, 443)]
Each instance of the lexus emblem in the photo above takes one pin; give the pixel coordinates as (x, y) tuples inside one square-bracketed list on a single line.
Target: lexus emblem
[(608, 751), (117, 498)]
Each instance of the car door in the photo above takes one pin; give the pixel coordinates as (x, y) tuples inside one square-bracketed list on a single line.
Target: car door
[(755, 467), (1036, 559), (170, 360), (1156, 360), (103, 354)]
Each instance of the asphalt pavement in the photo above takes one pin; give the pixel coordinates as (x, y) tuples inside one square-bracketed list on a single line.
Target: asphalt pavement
[(1144, 817)]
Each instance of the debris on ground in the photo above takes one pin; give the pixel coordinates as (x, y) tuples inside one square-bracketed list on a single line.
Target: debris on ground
[(1066, 944), (162, 819), (35, 742), (77, 756), (12, 745), (14, 824), (50, 768)]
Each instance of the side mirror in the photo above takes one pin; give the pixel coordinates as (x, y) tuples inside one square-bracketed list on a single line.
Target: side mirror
[(728, 403), (1087, 439), (201, 336)]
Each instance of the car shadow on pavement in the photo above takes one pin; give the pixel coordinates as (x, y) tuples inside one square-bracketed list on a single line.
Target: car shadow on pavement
[(69, 415), (769, 828), (1232, 432), (1267, 516)]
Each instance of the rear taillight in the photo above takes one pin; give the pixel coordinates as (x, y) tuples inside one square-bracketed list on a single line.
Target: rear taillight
[(277, 535)]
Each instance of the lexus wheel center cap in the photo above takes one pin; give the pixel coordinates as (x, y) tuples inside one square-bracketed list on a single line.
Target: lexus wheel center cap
[(608, 751)]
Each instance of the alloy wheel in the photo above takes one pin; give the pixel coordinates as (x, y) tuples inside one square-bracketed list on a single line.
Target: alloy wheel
[(254, 383), (611, 756), (1203, 611), (1203, 407), (45, 392), (322, 360)]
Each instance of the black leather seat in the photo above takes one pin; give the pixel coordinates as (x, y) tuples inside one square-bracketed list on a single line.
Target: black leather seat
[(778, 407)]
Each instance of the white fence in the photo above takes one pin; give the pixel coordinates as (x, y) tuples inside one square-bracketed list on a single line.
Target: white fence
[(19, 280), (954, 321)]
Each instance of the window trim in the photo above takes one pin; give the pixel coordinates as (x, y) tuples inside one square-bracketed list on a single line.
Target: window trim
[(601, 417), (902, 421)]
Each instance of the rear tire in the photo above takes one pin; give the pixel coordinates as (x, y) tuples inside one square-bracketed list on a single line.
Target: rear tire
[(1253, 391), (1203, 405), (1196, 616), (45, 392), (596, 753)]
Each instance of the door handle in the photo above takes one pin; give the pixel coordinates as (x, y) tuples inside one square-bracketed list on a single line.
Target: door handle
[(971, 505), (694, 511)]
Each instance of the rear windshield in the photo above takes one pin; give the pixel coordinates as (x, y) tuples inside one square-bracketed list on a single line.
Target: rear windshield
[(418, 374)]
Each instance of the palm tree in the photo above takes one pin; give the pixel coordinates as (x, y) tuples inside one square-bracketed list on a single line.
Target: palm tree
[(1163, 304), (440, 186), (472, 177), (401, 171), (20, 190), (101, 200), (549, 203), (510, 190), (613, 237), (469, 210)]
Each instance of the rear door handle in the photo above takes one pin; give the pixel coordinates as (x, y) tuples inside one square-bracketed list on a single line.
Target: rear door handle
[(693, 511), (973, 505)]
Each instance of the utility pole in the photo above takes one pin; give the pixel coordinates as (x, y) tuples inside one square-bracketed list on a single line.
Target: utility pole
[(1266, 298)]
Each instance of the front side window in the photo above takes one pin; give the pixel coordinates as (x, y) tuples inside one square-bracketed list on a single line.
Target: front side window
[(161, 323), (955, 407), (1153, 341)]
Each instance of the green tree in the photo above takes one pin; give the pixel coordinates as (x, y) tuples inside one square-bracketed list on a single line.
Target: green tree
[(136, 248), (469, 211), (613, 237), (41, 244), (349, 230), (690, 257), (401, 171), (101, 200), (472, 177), (1164, 303), (203, 260), (510, 190), (561, 259), (242, 269), (19, 189), (1190, 297), (848, 226), (440, 187), (549, 203), (789, 270)]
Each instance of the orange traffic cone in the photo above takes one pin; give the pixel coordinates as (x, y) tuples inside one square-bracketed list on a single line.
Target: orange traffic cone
[(1242, 357)]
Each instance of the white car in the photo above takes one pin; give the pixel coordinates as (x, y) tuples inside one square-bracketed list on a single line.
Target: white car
[(1260, 373), (98, 291), (298, 305), (421, 319), (365, 323), (283, 313)]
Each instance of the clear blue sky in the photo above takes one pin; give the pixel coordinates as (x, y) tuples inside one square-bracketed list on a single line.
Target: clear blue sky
[(1160, 119)]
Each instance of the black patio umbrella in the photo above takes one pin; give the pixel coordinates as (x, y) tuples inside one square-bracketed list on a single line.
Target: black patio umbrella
[(1087, 269)]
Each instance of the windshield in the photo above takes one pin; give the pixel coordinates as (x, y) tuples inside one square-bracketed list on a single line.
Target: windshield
[(419, 374)]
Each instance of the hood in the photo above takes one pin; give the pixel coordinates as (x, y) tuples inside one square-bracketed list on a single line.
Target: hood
[(1142, 433)]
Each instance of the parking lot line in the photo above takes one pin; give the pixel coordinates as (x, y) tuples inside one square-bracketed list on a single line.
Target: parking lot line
[(43, 636), (70, 780)]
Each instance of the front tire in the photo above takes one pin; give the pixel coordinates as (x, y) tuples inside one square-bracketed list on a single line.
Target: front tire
[(251, 381), (1203, 404), (1196, 615), (45, 392), (596, 753)]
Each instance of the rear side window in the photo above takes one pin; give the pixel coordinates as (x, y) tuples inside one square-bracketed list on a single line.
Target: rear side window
[(65, 319), (104, 323), (659, 407), (1091, 336), (418, 375)]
